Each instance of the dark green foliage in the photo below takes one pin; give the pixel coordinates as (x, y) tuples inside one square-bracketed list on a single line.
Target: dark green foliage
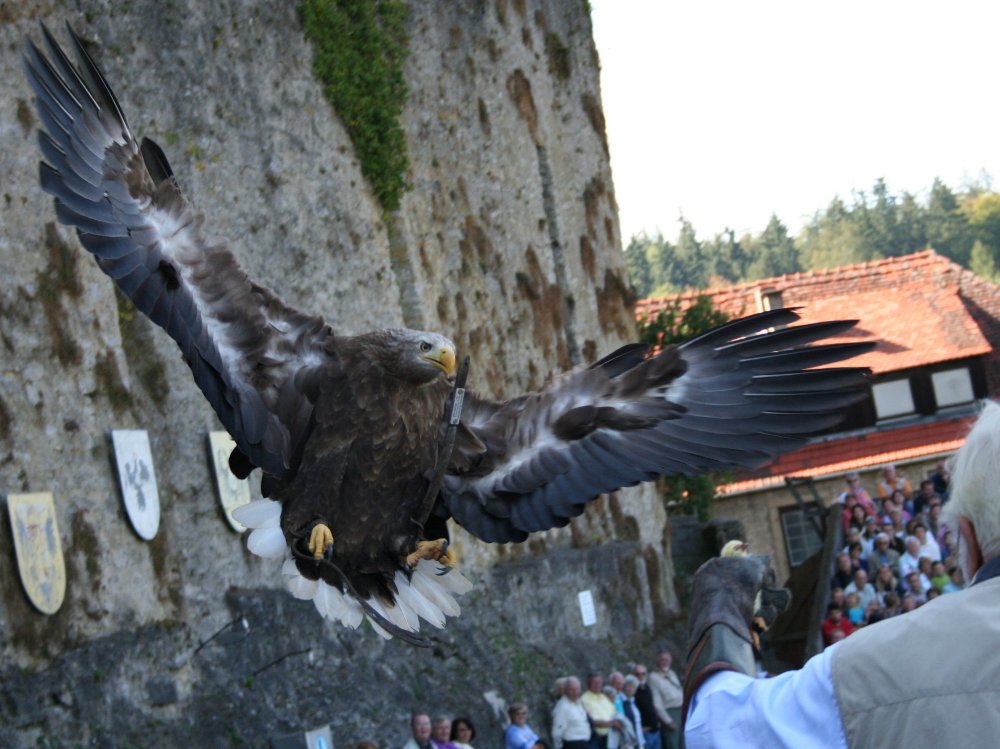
[(693, 494), (360, 47), (673, 325), (964, 227)]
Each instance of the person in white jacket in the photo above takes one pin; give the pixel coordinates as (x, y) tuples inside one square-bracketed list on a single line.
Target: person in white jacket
[(867, 687)]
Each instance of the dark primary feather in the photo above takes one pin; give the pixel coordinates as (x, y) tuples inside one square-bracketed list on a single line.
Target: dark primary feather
[(734, 397), (246, 349)]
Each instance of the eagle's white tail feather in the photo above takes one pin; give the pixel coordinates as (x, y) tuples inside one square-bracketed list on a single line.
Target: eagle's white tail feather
[(378, 630), (267, 542), (425, 595), (302, 588), (261, 513), (430, 587), (420, 605)]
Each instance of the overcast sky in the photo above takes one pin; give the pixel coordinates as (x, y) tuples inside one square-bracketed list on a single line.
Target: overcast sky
[(727, 112)]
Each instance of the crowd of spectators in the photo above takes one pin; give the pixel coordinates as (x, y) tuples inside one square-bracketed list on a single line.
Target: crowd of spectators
[(638, 709), (898, 552)]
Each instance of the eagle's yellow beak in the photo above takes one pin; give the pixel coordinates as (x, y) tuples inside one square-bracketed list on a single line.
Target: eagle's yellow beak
[(443, 359)]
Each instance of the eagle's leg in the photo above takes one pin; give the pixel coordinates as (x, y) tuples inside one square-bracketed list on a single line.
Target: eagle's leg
[(320, 540), (437, 550)]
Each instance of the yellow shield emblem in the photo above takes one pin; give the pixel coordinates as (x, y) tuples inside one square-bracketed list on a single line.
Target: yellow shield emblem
[(38, 549), (233, 492)]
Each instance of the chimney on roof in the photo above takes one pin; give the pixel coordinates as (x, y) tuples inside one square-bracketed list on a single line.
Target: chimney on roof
[(767, 298)]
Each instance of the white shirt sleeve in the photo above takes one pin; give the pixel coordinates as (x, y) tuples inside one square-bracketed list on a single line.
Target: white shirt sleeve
[(794, 710)]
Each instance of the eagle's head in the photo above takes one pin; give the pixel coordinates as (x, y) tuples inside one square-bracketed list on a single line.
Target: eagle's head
[(418, 356)]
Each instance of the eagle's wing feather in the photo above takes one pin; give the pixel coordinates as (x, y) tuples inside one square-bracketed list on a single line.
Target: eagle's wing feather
[(256, 359), (733, 397)]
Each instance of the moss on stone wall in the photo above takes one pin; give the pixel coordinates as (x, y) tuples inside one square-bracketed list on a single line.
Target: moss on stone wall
[(140, 351), (58, 279), (360, 47)]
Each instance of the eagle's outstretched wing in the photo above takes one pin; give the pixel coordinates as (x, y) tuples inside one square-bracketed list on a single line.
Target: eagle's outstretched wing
[(257, 361), (734, 397)]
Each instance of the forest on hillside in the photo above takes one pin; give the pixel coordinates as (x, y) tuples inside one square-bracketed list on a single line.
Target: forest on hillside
[(963, 225)]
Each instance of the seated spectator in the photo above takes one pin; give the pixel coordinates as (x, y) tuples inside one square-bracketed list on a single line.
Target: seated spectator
[(855, 614), (844, 573), (858, 516), (836, 636), (916, 586), (835, 622), (868, 534), (935, 523), (956, 580), (441, 733), (906, 603), (634, 734), (864, 589), (899, 524), (893, 604), (882, 555), (570, 724), (932, 593), (886, 582), (600, 709), (856, 492), (845, 515), (837, 596), (420, 728), (923, 497), (939, 576), (928, 546), (911, 559), (616, 680), (942, 480), (646, 703), (947, 545), (854, 551), (891, 482), (896, 543), (463, 732), (519, 735)]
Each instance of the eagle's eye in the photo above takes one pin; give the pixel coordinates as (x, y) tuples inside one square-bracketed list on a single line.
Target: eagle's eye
[(425, 346)]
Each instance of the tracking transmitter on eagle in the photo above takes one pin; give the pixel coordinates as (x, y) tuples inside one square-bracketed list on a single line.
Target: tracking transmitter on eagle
[(360, 462)]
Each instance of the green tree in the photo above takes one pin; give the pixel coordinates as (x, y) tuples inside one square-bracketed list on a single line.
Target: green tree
[(947, 228), (983, 214), (637, 265), (983, 262), (774, 252), (693, 267)]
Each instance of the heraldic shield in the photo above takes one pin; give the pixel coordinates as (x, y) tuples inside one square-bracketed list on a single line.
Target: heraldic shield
[(39, 549), (233, 492)]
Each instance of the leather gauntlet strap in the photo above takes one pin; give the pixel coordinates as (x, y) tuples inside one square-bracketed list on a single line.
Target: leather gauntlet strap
[(719, 649)]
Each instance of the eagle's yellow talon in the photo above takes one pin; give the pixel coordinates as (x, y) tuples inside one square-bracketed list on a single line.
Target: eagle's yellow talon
[(438, 550), (320, 539)]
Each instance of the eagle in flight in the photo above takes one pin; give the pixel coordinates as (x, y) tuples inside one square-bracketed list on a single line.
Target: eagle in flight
[(363, 455)]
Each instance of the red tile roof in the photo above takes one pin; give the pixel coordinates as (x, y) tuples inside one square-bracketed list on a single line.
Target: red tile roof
[(913, 305), (851, 453)]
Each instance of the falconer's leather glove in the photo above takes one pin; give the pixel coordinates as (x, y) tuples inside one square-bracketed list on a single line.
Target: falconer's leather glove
[(734, 599)]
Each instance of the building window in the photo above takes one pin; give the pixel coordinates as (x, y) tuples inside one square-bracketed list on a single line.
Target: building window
[(892, 398), (801, 538), (952, 387)]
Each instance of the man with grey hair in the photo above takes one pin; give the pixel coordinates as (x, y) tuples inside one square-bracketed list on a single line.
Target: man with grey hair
[(420, 729), (570, 723), (834, 701)]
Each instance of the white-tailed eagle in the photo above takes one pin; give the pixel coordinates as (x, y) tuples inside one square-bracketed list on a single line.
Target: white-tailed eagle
[(351, 432)]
